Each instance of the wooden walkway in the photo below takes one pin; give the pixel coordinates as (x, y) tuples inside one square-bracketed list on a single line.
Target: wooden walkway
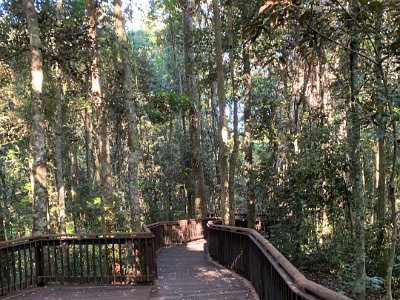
[(184, 272)]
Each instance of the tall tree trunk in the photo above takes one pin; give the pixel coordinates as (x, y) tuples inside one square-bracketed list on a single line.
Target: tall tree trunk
[(38, 143), (235, 149), (380, 207), (191, 92), (355, 160), (104, 144), (223, 128), (393, 217), (133, 135), (248, 146), (3, 199), (59, 147)]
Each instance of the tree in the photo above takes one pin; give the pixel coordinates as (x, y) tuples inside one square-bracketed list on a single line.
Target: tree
[(59, 145), (222, 125), (38, 143), (102, 134), (131, 116), (192, 94), (247, 117)]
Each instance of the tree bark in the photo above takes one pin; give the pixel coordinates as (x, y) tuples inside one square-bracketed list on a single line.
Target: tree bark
[(355, 161), (380, 207), (191, 92), (223, 128), (104, 144), (393, 218), (59, 146), (248, 146), (3, 199), (235, 149), (131, 115), (38, 143)]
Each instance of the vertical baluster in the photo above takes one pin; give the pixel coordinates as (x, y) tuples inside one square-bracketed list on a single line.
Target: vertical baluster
[(80, 259), (2, 277), (126, 254), (55, 260), (20, 267), (48, 261), (62, 254), (100, 261), (26, 265), (107, 268), (94, 259), (120, 260), (113, 260), (87, 260), (8, 270), (145, 256), (31, 261), (68, 244), (14, 271), (74, 259), (134, 261)]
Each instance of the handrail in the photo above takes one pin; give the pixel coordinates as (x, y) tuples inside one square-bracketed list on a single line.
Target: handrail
[(130, 257), (77, 258), (302, 286)]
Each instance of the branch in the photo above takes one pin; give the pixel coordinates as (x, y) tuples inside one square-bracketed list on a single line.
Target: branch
[(342, 45)]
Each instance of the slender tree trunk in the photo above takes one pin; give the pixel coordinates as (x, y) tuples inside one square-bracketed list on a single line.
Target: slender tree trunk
[(248, 146), (393, 218), (88, 144), (104, 145), (38, 143), (215, 143), (174, 51), (59, 147), (355, 161), (3, 199), (133, 135), (380, 208), (191, 92), (223, 128), (235, 149)]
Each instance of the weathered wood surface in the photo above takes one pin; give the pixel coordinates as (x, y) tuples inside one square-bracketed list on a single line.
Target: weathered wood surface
[(82, 292), (186, 272)]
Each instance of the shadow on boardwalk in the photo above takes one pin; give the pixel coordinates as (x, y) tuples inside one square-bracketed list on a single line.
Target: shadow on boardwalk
[(186, 272)]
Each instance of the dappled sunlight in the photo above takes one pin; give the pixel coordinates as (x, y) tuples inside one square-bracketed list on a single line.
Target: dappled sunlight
[(196, 246)]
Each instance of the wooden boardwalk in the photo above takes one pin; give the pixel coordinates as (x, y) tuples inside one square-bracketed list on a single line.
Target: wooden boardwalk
[(84, 292), (184, 272)]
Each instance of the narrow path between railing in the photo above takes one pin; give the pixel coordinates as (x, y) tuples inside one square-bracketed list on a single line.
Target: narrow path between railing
[(186, 272)]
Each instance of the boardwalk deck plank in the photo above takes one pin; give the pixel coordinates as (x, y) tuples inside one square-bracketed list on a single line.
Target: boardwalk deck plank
[(184, 272)]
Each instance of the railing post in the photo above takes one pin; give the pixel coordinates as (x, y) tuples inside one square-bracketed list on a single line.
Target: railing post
[(4, 273), (39, 262)]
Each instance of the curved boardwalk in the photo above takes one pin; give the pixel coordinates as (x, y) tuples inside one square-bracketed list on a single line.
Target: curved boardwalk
[(186, 272)]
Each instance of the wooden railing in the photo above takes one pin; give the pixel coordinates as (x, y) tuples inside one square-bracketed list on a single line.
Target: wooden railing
[(81, 258), (249, 254), (177, 232), (131, 258)]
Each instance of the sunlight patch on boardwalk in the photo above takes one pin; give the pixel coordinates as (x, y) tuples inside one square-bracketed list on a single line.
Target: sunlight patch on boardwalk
[(186, 272)]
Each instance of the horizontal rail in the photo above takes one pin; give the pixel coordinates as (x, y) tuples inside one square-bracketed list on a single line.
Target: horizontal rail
[(111, 258), (251, 255), (177, 232)]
